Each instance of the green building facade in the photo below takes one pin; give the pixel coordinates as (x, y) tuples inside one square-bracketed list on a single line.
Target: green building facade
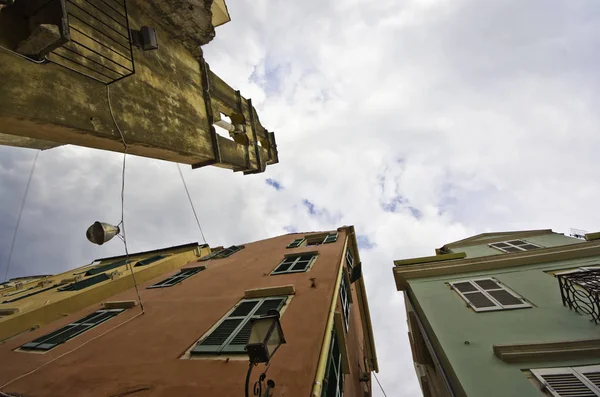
[(506, 314)]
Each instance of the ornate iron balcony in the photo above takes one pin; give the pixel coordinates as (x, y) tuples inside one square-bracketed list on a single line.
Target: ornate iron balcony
[(580, 291)]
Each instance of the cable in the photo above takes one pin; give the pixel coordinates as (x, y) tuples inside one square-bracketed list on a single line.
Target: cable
[(68, 352), (191, 203), (381, 387), (12, 245), (122, 223)]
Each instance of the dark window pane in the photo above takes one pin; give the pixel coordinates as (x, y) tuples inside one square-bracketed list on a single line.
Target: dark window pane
[(512, 249), (529, 247), (283, 267), (516, 242), (487, 284), (464, 286), (302, 265), (505, 298), (222, 332), (306, 257), (500, 245), (268, 305), (243, 309), (479, 300)]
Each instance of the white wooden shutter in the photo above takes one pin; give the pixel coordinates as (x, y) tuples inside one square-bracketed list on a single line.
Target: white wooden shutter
[(567, 382), (592, 375)]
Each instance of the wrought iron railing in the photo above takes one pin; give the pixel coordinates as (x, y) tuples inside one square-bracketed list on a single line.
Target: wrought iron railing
[(580, 291), (99, 40)]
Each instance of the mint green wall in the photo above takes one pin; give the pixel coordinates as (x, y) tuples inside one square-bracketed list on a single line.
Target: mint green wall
[(452, 323), (547, 240)]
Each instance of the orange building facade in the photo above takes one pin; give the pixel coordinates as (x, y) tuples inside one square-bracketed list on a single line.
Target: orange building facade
[(190, 338)]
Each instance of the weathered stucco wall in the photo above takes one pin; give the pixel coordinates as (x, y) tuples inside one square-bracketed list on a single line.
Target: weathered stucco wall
[(161, 109)]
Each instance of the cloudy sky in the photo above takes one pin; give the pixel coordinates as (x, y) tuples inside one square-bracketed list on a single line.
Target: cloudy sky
[(418, 121)]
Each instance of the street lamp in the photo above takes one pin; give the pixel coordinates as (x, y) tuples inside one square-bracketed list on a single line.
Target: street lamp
[(266, 336), (99, 233)]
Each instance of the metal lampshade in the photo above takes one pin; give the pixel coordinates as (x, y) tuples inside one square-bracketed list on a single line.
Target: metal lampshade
[(266, 336), (99, 233)]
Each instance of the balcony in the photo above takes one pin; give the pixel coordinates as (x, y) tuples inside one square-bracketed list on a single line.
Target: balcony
[(580, 291)]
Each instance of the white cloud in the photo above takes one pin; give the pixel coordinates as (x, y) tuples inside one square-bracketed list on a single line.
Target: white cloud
[(475, 116)]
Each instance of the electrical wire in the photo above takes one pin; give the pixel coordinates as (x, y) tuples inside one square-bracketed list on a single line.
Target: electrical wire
[(122, 223), (191, 202), (12, 245), (381, 387)]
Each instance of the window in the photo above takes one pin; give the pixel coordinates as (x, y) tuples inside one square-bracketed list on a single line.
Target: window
[(28, 295), (296, 243), (88, 282), (223, 253), (321, 239), (177, 278), (108, 266), (152, 259), (487, 294), (70, 331), (333, 384), (345, 301), (295, 264), (349, 261), (233, 332), (515, 246), (570, 381)]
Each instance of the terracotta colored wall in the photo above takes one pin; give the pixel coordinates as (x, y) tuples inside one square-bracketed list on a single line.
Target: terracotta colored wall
[(145, 352)]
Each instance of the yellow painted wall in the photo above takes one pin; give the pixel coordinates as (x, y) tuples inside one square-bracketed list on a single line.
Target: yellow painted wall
[(47, 306)]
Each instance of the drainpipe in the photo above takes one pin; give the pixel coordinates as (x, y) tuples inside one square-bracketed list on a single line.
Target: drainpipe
[(322, 365)]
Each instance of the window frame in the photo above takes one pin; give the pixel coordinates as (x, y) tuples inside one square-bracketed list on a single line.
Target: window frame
[(296, 243), (225, 347), (44, 347), (497, 305), (297, 257), (349, 262), (224, 253), (177, 277), (519, 247), (331, 366), (579, 372), (345, 301)]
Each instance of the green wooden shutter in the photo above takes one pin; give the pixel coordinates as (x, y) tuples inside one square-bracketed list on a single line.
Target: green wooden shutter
[(88, 282), (108, 266), (232, 334), (331, 238), (296, 243), (177, 278), (71, 330)]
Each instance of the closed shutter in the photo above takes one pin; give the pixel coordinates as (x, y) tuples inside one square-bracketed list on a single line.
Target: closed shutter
[(177, 278), (568, 381), (71, 330), (232, 334), (104, 268), (88, 282), (296, 243), (331, 238), (487, 294), (592, 375), (152, 259)]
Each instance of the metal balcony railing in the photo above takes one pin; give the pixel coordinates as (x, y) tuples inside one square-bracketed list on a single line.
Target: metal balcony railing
[(580, 291)]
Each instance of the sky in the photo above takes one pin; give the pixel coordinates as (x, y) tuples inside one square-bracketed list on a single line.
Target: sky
[(420, 122)]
